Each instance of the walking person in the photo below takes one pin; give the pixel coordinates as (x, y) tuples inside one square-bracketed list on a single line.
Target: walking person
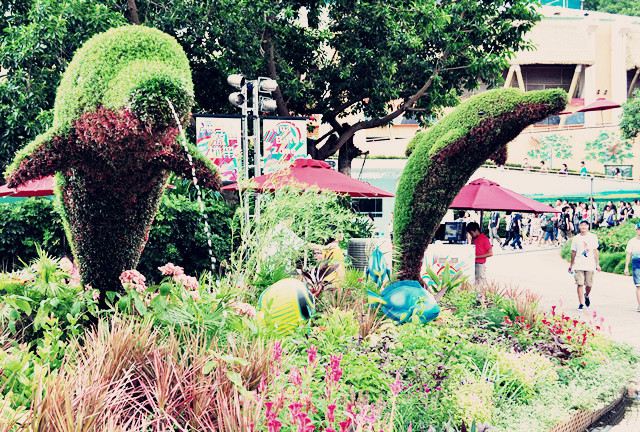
[(494, 223), (516, 230), (508, 234), (633, 257), (585, 261), (484, 250)]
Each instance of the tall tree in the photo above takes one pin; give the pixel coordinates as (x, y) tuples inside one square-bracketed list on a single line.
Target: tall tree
[(630, 124), (360, 64), (37, 39), (623, 7)]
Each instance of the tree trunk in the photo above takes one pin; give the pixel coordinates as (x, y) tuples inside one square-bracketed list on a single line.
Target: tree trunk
[(346, 154), (133, 12), (344, 163)]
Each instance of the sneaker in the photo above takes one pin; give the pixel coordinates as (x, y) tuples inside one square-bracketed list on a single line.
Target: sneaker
[(581, 307), (587, 302), (638, 309)]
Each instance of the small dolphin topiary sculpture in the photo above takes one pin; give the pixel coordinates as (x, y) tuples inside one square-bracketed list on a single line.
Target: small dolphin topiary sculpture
[(443, 158), (113, 142)]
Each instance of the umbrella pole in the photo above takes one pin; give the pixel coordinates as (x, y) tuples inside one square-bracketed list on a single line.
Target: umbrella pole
[(481, 219)]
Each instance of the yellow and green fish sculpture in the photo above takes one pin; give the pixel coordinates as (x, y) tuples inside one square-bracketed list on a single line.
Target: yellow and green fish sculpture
[(286, 305), (404, 299)]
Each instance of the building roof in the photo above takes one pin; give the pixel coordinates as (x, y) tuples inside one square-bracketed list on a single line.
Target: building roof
[(568, 36)]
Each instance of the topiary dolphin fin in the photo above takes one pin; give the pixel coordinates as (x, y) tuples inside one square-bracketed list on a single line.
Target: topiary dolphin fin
[(113, 143), (443, 158)]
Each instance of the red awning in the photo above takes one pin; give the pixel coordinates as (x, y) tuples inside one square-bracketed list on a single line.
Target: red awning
[(483, 194), (307, 173), (600, 104), (33, 188)]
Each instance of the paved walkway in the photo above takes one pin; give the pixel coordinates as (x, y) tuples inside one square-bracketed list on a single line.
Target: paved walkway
[(542, 270)]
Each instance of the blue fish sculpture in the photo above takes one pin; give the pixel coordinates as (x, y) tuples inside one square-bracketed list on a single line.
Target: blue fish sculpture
[(403, 299), (377, 269)]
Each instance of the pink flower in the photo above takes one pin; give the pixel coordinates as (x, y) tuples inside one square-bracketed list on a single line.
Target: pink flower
[(194, 295), (243, 309), (277, 352), (188, 282), (170, 269), (133, 278), (295, 377), (397, 385), (312, 355), (334, 372), (66, 265), (331, 416), (96, 295)]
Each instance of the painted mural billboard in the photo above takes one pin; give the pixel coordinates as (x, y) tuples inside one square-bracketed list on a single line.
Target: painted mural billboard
[(284, 140), (218, 138)]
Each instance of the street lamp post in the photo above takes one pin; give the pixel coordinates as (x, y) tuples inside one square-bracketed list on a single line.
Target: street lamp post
[(252, 101)]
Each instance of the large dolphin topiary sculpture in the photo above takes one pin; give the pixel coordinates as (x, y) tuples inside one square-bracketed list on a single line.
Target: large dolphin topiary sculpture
[(113, 142), (443, 158)]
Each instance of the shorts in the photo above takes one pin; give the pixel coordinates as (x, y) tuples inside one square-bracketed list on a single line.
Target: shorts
[(584, 278), (481, 272), (635, 271)]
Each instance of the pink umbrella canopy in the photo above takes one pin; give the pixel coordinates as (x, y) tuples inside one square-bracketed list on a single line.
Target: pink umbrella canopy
[(600, 104), (33, 188), (483, 194), (308, 173)]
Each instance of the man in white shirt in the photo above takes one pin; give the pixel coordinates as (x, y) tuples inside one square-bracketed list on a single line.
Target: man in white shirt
[(585, 261)]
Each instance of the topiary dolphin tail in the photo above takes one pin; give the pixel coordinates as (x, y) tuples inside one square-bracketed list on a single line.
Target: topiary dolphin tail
[(444, 157), (113, 143)]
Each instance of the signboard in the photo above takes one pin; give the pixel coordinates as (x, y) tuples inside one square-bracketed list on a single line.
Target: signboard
[(284, 140), (219, 139), (461, 259)]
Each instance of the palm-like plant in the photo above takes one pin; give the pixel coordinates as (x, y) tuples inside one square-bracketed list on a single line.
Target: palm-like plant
[(445, 281), (318, 278)]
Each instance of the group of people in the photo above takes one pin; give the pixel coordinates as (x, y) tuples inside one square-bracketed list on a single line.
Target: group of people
[(554, 229), (542, 167)]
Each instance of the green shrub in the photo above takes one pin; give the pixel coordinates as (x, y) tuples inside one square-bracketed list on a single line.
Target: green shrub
[(25, 224), (445, 156), (177, 234)]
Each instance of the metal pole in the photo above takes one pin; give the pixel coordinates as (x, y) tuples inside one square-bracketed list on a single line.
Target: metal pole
[(257, 150), (245, 133)]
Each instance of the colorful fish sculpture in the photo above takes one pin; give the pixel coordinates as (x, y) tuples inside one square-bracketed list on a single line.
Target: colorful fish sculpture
[(377, 268), (285, 305), (401, 300)]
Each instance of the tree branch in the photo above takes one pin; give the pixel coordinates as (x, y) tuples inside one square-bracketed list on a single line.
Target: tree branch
[(271, 65), (327, 150)]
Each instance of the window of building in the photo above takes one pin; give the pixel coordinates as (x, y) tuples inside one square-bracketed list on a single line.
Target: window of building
[(372, 206), (541, 77), (633, 78)]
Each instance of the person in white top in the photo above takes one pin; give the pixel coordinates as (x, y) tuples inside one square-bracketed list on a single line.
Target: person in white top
[(585, 261), (633, 257)]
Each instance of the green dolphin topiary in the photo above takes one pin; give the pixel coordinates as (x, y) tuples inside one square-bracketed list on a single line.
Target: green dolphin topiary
[(443, 158), (113, 142)]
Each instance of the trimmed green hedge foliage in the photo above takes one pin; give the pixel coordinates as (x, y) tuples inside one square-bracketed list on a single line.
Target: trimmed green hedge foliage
[(445, 156), (113, 143), (177, 234)]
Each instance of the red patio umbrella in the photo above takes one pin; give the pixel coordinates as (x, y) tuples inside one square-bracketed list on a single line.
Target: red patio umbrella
[(600, 104), (483, 194), (314, 173), (33, 188)]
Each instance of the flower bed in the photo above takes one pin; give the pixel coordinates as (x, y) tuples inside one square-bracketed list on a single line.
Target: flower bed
[(175, 355)]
